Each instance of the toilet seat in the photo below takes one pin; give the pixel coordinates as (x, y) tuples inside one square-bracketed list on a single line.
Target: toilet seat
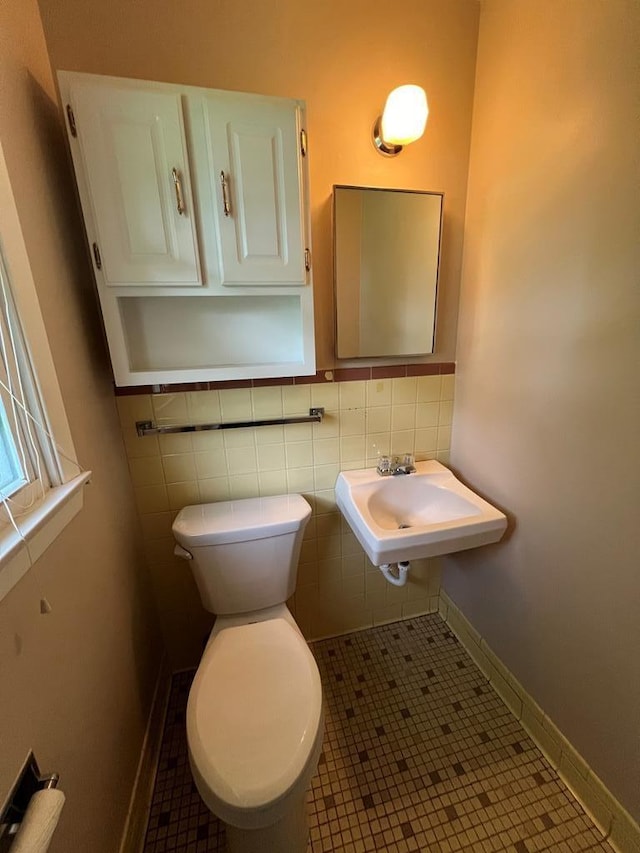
[(254, 720)]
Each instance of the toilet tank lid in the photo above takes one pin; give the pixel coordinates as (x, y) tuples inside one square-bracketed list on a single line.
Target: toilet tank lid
[(226, 522)]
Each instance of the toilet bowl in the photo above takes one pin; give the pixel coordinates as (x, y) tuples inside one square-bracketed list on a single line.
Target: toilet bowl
[(254, 715)]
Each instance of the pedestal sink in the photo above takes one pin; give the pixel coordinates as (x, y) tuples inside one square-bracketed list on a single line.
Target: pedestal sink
[(409, 516)]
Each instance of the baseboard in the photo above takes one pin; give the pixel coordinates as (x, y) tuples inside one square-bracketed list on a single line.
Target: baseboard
[(140, 803), (618, 827)]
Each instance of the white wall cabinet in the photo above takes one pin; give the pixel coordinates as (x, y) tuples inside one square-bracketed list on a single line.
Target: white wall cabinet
[(196, 213), (134, 152), (254, 145)]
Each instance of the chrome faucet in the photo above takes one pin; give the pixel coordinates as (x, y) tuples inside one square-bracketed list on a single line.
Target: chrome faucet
[(391, 467)]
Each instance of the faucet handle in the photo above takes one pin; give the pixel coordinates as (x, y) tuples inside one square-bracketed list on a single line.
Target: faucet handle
[(404, 467), (408, 462), (384, 466)]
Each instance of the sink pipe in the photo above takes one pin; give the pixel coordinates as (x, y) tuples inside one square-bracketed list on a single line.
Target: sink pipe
[(403, 572)]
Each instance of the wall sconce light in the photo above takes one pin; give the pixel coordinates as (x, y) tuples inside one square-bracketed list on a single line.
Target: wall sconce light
[(403, 120)]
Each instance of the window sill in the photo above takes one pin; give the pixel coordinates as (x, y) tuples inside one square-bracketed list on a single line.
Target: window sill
[(38, 530)]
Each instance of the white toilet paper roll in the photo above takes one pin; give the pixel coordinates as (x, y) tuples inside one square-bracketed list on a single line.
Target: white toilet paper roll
[(39, 823)]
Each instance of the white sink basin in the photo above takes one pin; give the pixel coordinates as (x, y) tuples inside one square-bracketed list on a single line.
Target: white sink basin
[(408, 516)]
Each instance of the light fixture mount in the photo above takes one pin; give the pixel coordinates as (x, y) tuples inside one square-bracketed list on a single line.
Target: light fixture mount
[(387, 149)]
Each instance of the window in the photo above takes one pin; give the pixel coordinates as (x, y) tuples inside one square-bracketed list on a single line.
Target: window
[(12, 471), (40, 478), (21, 459)]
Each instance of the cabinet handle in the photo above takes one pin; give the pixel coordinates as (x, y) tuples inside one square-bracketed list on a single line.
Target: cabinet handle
[(178, 187), (226, 202)]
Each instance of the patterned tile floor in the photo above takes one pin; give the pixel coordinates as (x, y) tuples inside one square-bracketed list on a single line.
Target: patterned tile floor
[(419, 754)]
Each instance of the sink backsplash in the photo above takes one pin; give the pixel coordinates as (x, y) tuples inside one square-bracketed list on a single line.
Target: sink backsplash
[(338, 589)]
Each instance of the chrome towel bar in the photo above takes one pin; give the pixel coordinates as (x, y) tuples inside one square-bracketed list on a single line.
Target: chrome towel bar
[(150, 428)]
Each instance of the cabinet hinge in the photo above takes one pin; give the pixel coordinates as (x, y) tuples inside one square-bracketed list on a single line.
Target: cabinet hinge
[(96, 255), (307, 260), (72, 121), (303, 142)]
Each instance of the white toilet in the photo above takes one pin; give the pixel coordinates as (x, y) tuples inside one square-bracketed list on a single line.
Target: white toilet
[(254, 716)]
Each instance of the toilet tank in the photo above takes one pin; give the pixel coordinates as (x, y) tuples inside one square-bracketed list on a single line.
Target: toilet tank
[(244, 554)]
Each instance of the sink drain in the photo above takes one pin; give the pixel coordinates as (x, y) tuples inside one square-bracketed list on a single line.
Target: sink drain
[(403, 526)]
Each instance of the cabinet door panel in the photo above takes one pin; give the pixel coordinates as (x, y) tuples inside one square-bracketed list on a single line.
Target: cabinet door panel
[(256, 160), (254, 144), (131, 143)]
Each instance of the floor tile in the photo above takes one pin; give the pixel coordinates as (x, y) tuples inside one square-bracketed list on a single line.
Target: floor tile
[(419, 754)]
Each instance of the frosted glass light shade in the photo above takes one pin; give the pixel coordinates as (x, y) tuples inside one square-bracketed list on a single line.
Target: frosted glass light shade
[(405, 115)]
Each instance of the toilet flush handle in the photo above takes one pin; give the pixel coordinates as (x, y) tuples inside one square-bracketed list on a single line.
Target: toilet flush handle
[(179, 551)]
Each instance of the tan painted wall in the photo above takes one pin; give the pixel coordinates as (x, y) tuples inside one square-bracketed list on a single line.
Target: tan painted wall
[(547, 419), (76, 684), (343, 59)]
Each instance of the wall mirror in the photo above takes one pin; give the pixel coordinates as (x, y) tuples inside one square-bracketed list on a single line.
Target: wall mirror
[(386, 258)]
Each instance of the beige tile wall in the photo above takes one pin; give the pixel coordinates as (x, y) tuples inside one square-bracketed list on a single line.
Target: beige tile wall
[(338, 589)]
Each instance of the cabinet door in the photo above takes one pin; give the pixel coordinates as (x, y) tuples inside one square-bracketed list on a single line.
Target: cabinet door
[(254, 145), (135, 161)]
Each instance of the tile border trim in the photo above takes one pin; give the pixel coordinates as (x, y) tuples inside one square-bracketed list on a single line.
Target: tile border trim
[(338, 374), (135, 825), (613, 820)]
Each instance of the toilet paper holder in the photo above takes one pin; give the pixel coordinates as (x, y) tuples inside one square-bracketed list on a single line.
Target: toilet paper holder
[(28, 782)]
